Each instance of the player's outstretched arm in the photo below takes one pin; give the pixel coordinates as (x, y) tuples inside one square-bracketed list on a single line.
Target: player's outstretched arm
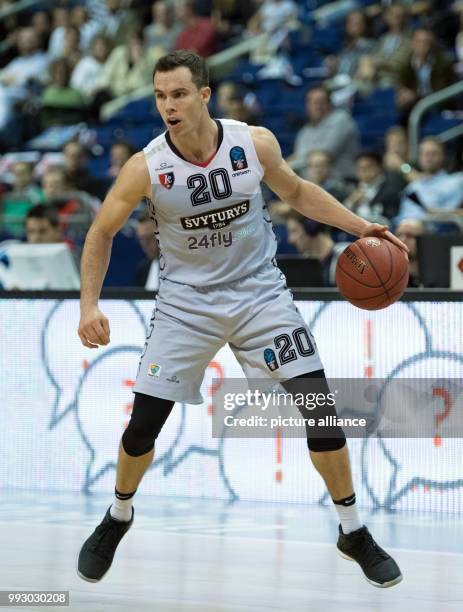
[(306, 197), (132, 184)]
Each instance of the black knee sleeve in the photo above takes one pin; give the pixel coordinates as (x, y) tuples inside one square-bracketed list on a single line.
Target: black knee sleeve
[(148, 417), (330, 438)]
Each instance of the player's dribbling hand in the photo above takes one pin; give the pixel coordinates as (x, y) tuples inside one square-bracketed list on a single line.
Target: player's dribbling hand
[(93, 328), (382, 231)]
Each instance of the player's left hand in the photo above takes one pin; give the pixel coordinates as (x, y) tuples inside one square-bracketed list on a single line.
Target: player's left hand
[(382, 231)]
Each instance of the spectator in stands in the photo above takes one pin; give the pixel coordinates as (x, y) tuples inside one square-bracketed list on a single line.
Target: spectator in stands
[(230, 17), (330, 130), (55, 184), (146, 237), (459, 43), (31, 64), (312, 239), (128, 68), (119, 154), (407, 231), (393, 46), (163, 30), (61, 20), (377, 195), (233, 102), (276, 18), (71, 46), (228, 93), (42, 225), (41, 23), (77, 174), (427, 70), (88, 28), (120, 22), (320, 171), (76, 209), (343, 67), (435, 190), (86, 75), (8, 33), (396, 157), (61, 104), (198, 33), (24, 194), (273, 15)]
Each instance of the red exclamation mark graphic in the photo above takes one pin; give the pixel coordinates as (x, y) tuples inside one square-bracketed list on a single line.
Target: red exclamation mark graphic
[(367, 335), (214, 365), (448, 404), (129, 406), (279, 472)]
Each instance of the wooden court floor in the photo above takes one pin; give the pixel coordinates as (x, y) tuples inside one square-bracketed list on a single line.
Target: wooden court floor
[(208, 556)]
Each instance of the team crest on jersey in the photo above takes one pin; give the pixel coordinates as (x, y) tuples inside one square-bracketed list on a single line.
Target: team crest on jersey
[(238, 158), (154, 370), (167, 180), (270, 359)]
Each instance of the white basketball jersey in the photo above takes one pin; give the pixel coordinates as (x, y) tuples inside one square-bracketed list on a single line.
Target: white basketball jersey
[(212, 222)]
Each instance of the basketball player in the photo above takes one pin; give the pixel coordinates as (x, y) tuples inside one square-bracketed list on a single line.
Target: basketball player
[(219, 284)]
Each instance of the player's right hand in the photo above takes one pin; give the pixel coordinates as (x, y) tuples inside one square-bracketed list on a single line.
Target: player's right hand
[(93, 328)]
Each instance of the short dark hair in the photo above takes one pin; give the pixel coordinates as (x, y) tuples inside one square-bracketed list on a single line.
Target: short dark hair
[(373, 155), (311, 227), (196, 65), (40, 211), (319, 87)]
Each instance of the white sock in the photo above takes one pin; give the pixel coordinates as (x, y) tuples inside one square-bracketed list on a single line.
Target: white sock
[(121, 508), (348, 515)]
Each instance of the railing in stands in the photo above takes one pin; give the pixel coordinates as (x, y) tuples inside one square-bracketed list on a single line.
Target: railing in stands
[(216, 63), (17, 7), (422, 107)]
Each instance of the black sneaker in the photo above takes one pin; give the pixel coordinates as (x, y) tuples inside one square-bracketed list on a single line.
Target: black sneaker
[(97, 553), (379, 568)]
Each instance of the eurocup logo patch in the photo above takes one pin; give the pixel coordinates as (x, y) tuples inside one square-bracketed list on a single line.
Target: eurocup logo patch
[(154, 370), (167, 180), (238, 158), (270, 359)]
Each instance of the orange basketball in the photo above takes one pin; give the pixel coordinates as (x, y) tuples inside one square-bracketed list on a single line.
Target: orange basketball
[(372, 273)]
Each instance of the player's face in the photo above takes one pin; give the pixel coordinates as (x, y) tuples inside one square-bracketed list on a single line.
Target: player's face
[(179, 102)]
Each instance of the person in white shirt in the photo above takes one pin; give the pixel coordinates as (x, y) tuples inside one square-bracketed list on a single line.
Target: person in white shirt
[(330, 130), (85, 76), (30, 64)]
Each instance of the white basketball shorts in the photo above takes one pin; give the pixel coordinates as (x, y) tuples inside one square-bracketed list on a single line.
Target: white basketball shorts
[(256, 315)]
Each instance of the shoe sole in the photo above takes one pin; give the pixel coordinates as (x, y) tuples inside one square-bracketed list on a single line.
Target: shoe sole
[(384, 585), (86, 578)]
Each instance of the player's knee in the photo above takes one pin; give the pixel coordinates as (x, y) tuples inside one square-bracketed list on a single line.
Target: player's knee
[(330, 438), (148, 417)]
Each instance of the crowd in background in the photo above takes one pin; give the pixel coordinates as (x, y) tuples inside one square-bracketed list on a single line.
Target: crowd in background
[(61, 65)]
